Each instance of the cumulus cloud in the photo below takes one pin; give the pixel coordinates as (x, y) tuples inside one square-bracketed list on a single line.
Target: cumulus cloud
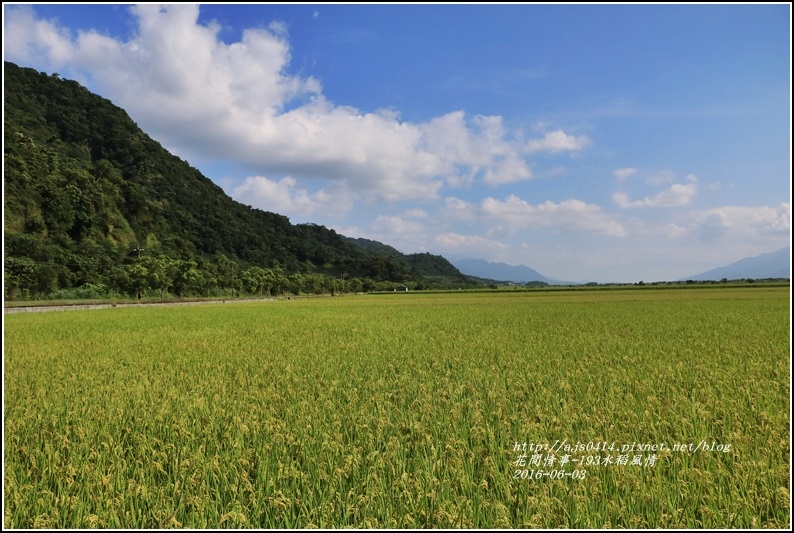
[(25, 37), (557, 141), (622, 174), (396, 225), (747, 222), (478, 147), (416, 213), (672, 231), (456, 203), (711, 229), (661, 178), (676, 195), (456, 243), (411, 236), (285, 196), (569, 215), (406, 232), (509, 170), (512, 214), (203, 97)]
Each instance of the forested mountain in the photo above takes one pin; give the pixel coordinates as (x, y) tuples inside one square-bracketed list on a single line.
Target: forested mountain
[(434, 267), (374, 246), (93, 202)]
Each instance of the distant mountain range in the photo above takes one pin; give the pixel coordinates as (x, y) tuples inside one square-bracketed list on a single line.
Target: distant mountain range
[(503, 272), (770, 265)]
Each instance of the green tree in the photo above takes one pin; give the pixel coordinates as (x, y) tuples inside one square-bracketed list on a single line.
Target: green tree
[(254, 280), (188, 278), (138, 276), (161, 272), (118, 278)]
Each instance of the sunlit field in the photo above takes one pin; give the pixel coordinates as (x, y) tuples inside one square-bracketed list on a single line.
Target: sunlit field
[(405, 410)]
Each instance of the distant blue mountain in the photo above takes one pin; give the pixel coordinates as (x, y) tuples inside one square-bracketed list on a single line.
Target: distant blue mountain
[(771, 265), (502, 271)]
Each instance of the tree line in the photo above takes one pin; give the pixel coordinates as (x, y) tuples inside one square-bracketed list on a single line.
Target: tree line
[(164, 277)]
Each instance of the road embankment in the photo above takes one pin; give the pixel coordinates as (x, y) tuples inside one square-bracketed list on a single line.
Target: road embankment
[(80, 307)]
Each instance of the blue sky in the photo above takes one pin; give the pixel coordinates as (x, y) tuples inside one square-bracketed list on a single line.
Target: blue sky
[(604, 143)]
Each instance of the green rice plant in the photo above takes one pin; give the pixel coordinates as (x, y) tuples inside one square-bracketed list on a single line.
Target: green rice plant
[(403, 411)]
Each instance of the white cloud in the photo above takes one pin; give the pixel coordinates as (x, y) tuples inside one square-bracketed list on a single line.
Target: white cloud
[(742, 227), (506, 217), (661, 178), (456, 203), (416, 213), (557, 141), (454, 211), (464, 150), (711, 229), (743, 222), (395, 226), (511, 169), (26, 38), (471, 245), (239, 102), (286, 197), (673, 231), (622, 174), (412, 236), (569, 215), (676, 195), (404, 232)]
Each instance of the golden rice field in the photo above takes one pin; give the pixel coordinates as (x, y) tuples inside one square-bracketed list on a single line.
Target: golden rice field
[(405, 410)]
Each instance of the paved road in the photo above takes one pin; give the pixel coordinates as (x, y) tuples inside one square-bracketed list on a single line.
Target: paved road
[(79, 307)]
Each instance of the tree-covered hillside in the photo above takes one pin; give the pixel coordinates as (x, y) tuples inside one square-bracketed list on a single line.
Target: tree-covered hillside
[(93, 204)]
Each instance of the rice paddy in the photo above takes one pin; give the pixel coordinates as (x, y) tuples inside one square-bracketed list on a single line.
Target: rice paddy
[(405, 410)]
